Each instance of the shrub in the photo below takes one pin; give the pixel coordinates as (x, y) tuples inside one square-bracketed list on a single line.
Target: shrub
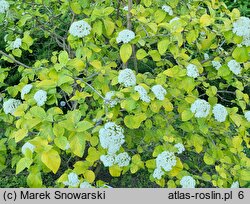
[(158, 86)]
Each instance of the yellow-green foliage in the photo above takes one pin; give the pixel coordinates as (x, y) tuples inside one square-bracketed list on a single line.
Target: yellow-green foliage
[(82, 70)]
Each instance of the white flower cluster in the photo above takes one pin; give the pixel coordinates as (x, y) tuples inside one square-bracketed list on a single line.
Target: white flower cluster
[(29, 146), (158, 173), (192, 71), (121, 159), (234, 66), (108, 160), (206, 56), (247, 116), (165, 160), (80, 29), (72, 181), (125, 8), (167, 9), (200, 108), (4, 6), (159, 92), (220, 112), (86, 184), (67, 146), (127, 77), (241, 27), (11, 105), (187, 182), (111, 137), (125, 36), (143, 93), (25, 90), (174, 19), (17, 43), (112, 102), (40, 97), (235, 184), (180, 148), (216, 65)]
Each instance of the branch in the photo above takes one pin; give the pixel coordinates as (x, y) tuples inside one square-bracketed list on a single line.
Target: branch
[(14, 60), (129, 24), (92, 88)]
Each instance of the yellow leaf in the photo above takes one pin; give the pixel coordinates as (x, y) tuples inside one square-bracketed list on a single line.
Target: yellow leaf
[(115, 171), (163, 46), (77, 64), (134, 121), (206, 20), (141, 54), (51, 159), (89, 176), (125, 52), (20, 134), (186, 115), (77, 144), (109, 26), (47, 84)]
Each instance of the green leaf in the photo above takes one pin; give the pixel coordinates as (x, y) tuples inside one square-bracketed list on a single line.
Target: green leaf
[(141, 54), (75, 6), (128, 104), (147, 3), (245, 175), (83, 126), (172, 3), (47, 84), (186, 115), (159, 16), (109, 26), (77, 144), (223, 71), (97, 27), (61, 142), (77, 64), (27, 39), (236, 118), (51, 159), (115, 171), (208, 159), (163, 46), (89, 176), (155, 55), (19, 134), (38, 112), (34, 180), (206, 20), (134, 121), (17, 52), (240, 54), (63, 57), (108, 10), (191, 36), (125, 52), (23, 163)]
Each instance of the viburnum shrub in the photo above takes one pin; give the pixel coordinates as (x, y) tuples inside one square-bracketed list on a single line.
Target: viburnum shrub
[(127, 85)]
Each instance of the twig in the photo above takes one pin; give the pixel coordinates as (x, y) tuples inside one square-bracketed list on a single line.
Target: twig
[(93, 89), (14, 60), (129, 24), (229, 92)]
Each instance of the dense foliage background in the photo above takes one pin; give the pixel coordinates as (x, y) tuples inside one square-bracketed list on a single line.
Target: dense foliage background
[(78, 72)]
